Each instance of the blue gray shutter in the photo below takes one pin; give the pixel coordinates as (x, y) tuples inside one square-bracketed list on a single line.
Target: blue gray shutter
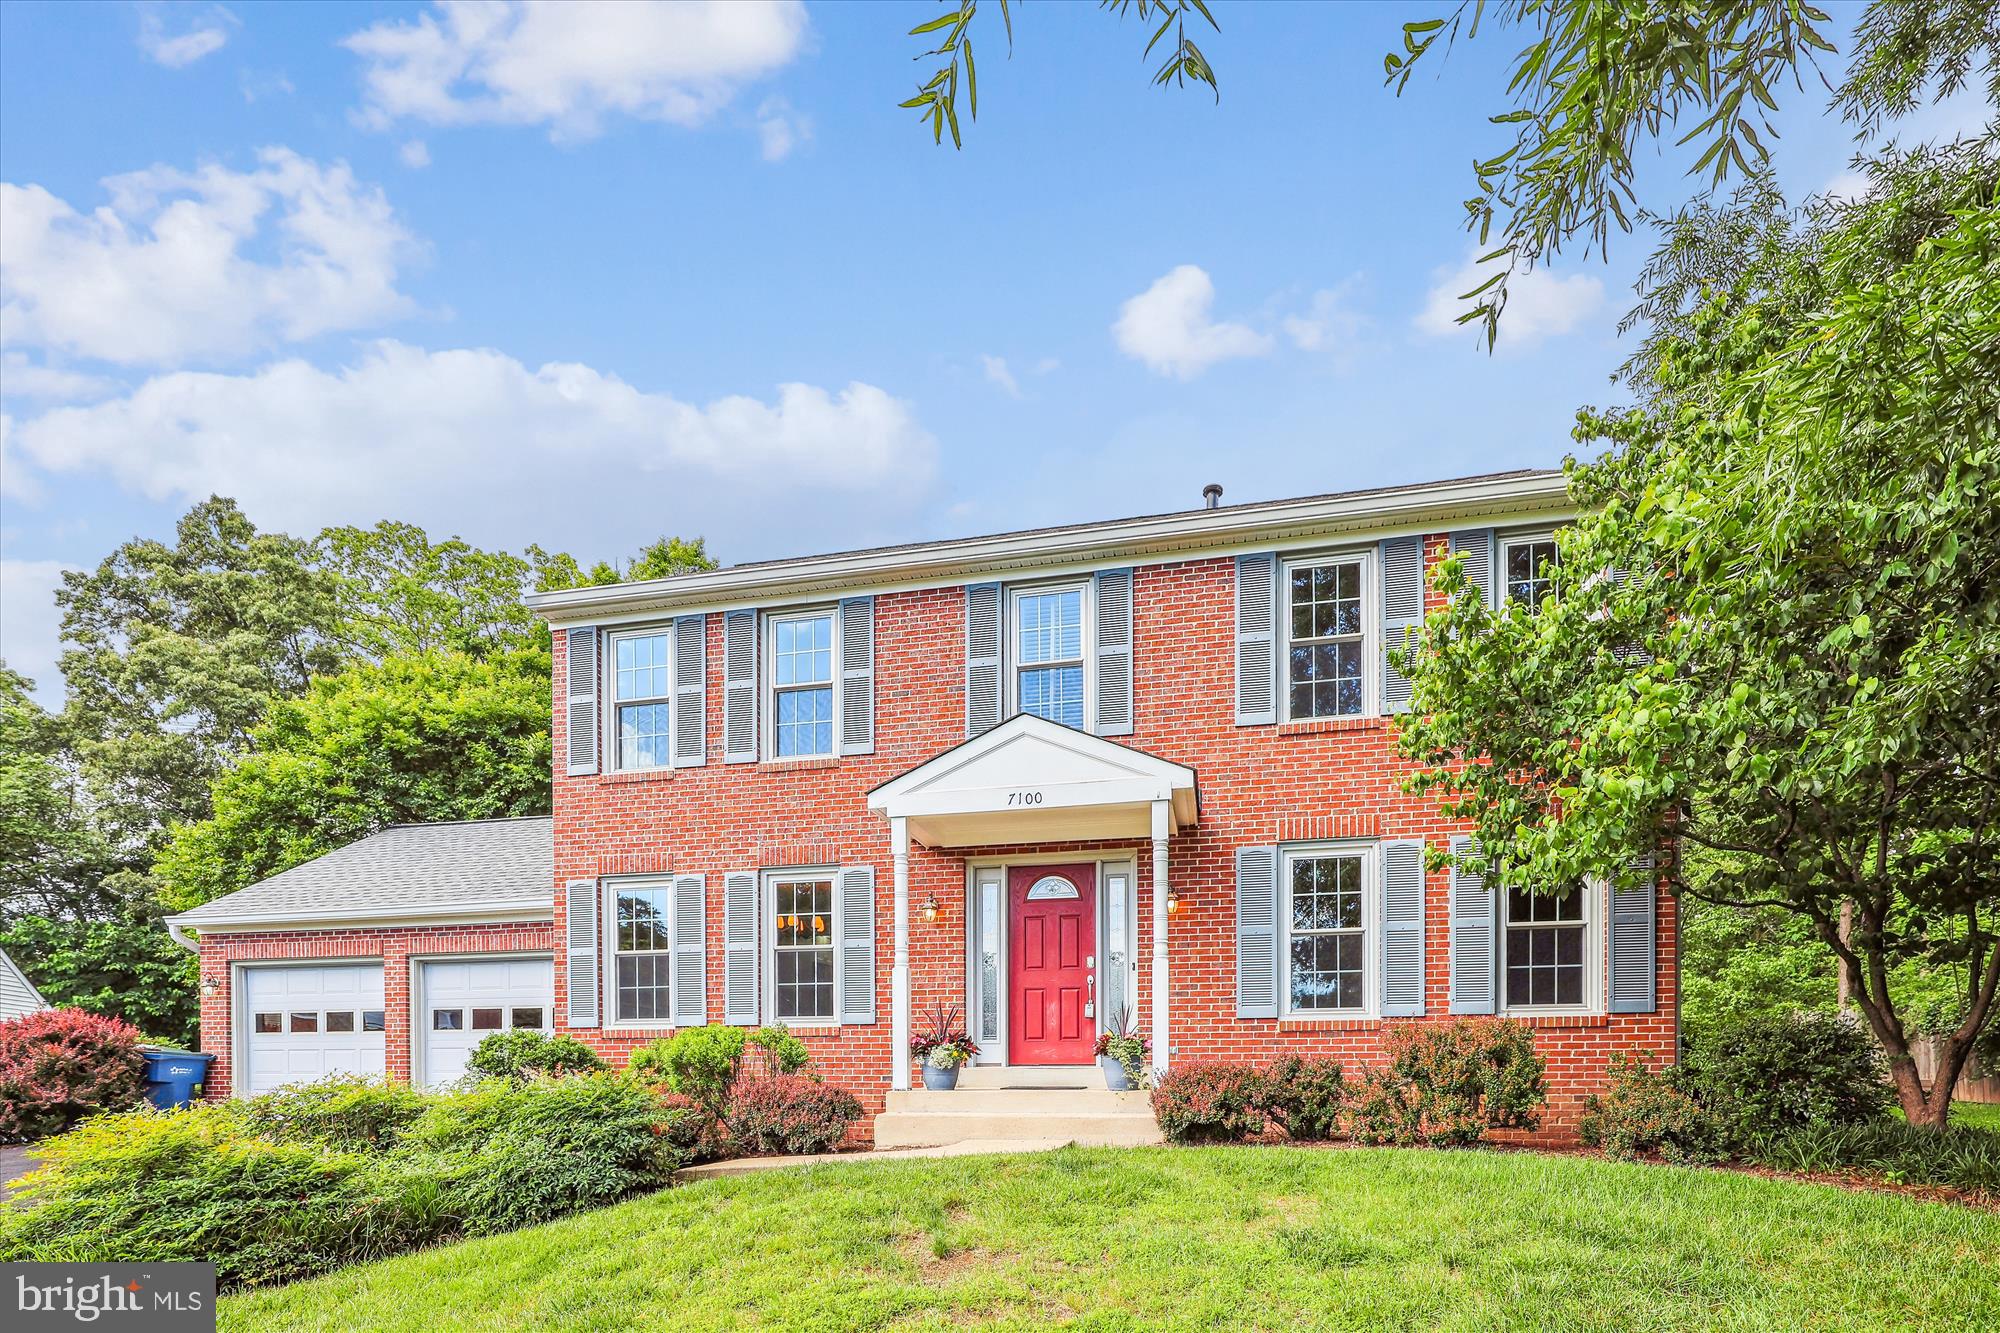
[(1256, 932), (1114, 652), (1402, 929), (857, 944), (739, 687), (690, 951), (1634, 965), (580, 958), (857, 675), (739, 948), (982, 658), (582, 700), (1474, 974), (1476, 544), (1402, 612), (1256, 639), (690, 694)]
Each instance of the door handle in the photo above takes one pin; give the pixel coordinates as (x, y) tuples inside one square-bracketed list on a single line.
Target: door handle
[(1090, 995)]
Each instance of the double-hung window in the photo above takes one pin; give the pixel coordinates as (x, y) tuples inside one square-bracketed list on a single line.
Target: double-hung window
[(800, 908), (802, 693), (1547, 948), (1527, 566), (642, 951), (641, 686), (1326, 656), (1326, 920), (1049, 634)]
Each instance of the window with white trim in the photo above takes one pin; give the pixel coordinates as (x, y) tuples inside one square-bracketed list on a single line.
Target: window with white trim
[(801, 650), (1527, 568), (1546, 960), (1049, 628), (641, 951), (800, 910), (1326, 920), (1327, 612), (641, 670)]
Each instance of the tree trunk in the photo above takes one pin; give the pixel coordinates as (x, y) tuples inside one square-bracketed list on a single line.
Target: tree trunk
[(1845, 995)]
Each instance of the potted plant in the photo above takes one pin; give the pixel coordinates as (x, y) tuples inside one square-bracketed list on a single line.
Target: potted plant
[(942, 1045), (1122, 1052)]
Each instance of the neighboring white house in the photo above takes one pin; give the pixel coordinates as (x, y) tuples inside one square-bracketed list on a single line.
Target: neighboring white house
[(18, 995)]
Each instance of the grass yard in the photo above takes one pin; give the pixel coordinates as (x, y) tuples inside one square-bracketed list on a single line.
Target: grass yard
[(1224, 1237), (1977, 1115)]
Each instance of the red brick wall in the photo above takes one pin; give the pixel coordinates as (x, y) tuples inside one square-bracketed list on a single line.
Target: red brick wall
[(393, 948), (1259, 785)]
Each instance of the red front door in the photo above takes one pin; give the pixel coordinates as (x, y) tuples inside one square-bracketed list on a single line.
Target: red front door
[(1051, 953)]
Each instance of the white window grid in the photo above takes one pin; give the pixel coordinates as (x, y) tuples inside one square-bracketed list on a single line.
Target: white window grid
[(1363, 638), (646, 687)]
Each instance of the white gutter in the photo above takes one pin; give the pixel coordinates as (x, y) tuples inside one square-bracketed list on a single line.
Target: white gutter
[(952, 561), (506, 910), (178, 934)]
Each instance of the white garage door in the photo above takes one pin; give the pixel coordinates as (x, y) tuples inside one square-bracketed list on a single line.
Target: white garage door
[(303, 1023), (461, 1003)]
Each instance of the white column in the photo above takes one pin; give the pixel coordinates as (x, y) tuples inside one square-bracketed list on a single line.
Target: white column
[(899, 974), (1162, 823)]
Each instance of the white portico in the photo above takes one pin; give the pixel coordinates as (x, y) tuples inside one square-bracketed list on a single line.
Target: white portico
[(1030, 781)]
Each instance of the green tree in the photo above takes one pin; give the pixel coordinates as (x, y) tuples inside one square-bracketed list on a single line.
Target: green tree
[(400, 592), (51, 856), (1798, 668), (419, 737), (124, 965), (174, 651), (663, 558)]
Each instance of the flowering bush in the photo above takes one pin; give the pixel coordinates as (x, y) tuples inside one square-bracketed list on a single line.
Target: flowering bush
[(1212, 1103), (1446, 1084), (1643, 1110), (943, 1041), (60, 1065), (788, 1114)]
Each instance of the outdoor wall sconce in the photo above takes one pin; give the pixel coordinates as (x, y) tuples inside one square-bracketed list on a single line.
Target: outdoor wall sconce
[(1173, 899), (931, 908), (208, 987)]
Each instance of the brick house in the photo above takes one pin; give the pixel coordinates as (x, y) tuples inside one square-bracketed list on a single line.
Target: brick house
[(1047, 776)]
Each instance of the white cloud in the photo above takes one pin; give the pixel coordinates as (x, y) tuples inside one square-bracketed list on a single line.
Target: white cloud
[(162, 273), (22, 378), (1329, 323), (474, 441), (1539, 304), (997, 373), (30, 624), (780, 129), (205, 35), (570, 65), (415, 155), (1168, 327)]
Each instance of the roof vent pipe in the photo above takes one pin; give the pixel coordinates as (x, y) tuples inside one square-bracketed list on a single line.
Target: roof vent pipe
[(1212, 494)]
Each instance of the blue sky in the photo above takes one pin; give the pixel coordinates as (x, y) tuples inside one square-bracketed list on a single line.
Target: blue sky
[(583, 277)]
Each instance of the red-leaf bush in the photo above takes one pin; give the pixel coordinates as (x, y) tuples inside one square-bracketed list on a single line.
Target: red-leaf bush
[(1214, 1102), (1307, 1095), (788, 1114), (60, 1065), (1647, 1110), (1446, 1084)]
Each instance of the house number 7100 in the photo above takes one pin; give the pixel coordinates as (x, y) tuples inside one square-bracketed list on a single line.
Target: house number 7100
[(1024, 798)]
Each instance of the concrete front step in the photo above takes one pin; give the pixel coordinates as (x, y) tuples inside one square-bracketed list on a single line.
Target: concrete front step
[(1068, 1115), (1028, 1076)]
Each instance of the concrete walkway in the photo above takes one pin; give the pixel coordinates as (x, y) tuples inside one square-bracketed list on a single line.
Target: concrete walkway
[(738, 1166), (14, 1162)]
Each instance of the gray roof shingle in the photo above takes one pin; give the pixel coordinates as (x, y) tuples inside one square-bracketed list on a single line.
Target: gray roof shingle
[(407, 869)]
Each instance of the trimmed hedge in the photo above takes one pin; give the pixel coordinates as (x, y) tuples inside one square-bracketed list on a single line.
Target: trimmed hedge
[(788, 1114)]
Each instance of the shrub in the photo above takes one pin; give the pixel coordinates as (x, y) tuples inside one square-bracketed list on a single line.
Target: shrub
[(199, 1184), (1645, 1110), (1959, 1157), (342, 1111), (780, 1051), (60, 1065), (525, 1052), (1307, 1095), (1446, 1084), (788, 1114), (1212, 1103), (692, 1130), (700, 1063), (1767, 1073)]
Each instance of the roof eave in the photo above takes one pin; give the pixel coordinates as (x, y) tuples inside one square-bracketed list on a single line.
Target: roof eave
[(506, 910), (948, 561)]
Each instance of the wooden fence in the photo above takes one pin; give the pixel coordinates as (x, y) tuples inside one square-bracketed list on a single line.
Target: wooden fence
[(1975, 1084)]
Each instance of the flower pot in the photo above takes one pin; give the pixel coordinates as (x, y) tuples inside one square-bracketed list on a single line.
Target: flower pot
[(1114, 1074), (940, 1080)]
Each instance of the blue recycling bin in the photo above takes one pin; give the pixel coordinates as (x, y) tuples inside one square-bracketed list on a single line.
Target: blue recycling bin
[(171, 1076)]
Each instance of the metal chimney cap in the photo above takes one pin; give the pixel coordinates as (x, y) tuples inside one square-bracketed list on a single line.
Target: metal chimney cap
[(1212, 493)]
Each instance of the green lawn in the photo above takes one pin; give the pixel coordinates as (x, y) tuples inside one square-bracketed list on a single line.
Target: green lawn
[(1979, 1115), (1223, 1237)]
